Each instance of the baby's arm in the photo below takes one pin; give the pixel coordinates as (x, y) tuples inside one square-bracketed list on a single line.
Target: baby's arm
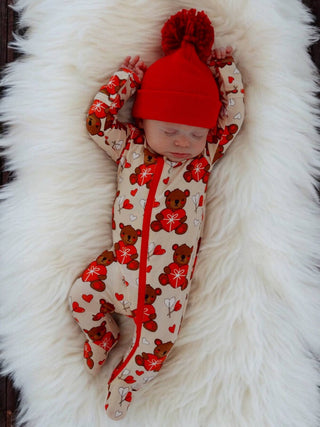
[(231, 88), (102, 124)]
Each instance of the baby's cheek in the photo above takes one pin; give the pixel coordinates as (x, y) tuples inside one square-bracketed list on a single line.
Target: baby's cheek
[(201, 146)]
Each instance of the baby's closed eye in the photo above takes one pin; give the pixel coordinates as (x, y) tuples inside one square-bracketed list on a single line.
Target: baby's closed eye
[(197, 136), (170, 132)]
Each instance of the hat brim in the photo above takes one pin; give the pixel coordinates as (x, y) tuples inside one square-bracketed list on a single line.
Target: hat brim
[(186, 108)]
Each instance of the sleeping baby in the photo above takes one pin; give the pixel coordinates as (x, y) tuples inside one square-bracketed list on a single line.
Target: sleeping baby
[(188, 109)]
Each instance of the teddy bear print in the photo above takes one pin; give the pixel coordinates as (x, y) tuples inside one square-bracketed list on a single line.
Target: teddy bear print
[(149, 312), (114, 85), (175, 273), (105, 308), (154, 361), (144, 173), (224, 136), (173, 217), (99, 336), (98, 111), (94, 125), (126, 251), (96, 272), (198, 170), (136, 135)]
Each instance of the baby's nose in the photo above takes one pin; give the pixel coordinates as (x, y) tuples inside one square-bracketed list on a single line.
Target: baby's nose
[(182, 141)]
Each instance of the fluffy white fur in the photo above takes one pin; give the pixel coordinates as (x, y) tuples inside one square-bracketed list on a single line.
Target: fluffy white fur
[(246, 355)]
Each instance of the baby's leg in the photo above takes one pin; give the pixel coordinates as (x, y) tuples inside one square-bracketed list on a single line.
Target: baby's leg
[(92, 310), (148, 353)]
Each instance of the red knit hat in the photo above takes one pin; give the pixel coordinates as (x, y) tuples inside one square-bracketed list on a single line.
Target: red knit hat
[(180, 88)]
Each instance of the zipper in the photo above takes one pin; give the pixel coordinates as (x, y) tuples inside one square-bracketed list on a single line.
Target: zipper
[(143, 263)]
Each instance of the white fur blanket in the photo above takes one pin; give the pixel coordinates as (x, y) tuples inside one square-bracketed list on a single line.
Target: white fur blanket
[(246, 353)]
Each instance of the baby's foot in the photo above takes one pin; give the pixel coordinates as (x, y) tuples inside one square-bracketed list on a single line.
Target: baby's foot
[(96, 355), (118, 400), (96, 351)]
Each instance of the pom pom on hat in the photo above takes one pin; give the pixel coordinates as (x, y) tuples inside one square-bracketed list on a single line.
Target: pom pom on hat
[(180, 88), (189, 26)]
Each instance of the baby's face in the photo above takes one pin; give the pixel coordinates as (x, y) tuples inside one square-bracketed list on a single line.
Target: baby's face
[(175, 141)]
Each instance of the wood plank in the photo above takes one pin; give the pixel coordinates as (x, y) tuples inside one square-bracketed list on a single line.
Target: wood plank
[(11, 28), (3, 401), (8, 402), (8, 19), (8, 24), (3, 32), (12, 399), (314, 6)]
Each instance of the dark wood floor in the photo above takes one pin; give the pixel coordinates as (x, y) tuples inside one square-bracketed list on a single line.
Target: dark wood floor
[(314, 5), (8, 396)]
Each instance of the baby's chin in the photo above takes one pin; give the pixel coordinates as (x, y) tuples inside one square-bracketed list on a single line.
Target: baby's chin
[(179, 157)]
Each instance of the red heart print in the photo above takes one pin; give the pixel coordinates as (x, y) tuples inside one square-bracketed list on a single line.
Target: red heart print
[(230, 79), (102, 362), (124, 90), (128, 397), (87, 298), (130, 379), (127, 165), (76, 307), (127, 204), (149, 268), (158, 250), (172, 328), (133, 192), (139, 373), (156, 204), (166, 180), (178, 306), (119, 297), (242, 90)]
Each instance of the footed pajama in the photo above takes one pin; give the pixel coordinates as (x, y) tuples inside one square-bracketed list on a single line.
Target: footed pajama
[(157, 222)]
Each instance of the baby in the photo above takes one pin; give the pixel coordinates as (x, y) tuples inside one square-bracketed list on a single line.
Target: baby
[(188, 109)]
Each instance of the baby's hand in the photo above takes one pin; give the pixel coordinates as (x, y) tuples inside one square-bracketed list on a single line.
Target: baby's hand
[(222, 52), (136, 65)]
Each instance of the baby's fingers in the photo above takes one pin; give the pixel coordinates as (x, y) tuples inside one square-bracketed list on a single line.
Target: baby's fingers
[(222, 52), (229, 50), (126, 62), (141, 65), (133, 62), (135, 65)]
